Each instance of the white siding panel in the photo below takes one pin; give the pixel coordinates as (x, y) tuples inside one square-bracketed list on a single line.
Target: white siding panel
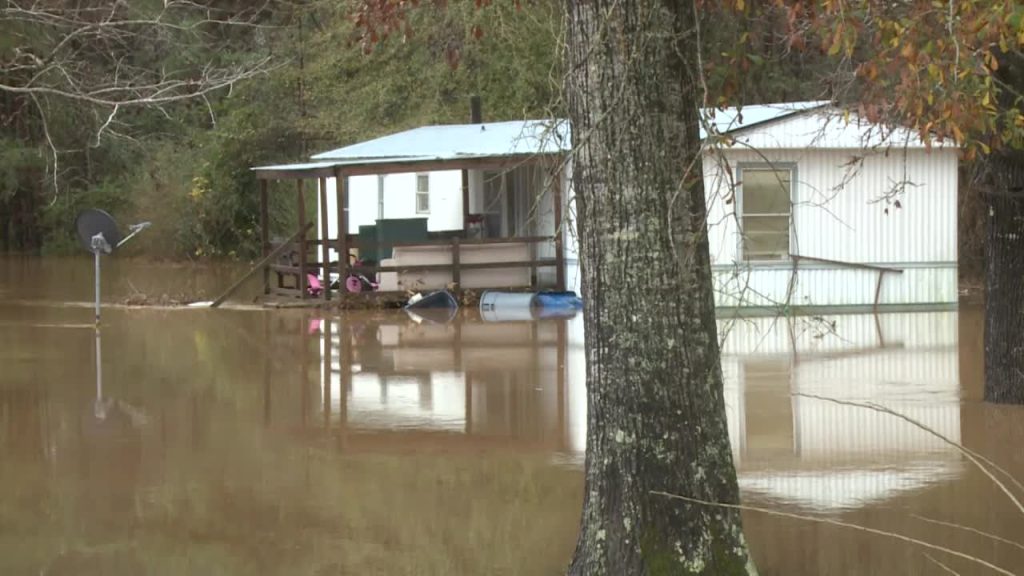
[(362, 202), (399, 200), (839, 204), (445, 198), (742, 286), (722, 226), (823, 129)]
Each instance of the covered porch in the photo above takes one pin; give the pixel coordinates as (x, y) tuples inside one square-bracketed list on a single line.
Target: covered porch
[(500, 228)]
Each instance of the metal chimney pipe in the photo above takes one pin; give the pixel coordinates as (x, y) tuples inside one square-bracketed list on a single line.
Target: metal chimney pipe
[(476, 115)]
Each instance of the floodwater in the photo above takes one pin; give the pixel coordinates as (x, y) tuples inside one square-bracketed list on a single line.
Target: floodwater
[(247, 441)]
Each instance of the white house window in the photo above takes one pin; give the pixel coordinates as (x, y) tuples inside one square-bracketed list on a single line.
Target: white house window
[(766, 212), (422, 193)]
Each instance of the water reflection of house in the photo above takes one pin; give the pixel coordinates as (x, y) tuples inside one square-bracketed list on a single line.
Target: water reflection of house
[(815, 451), (793, 438), (522, 384), (481, 381)]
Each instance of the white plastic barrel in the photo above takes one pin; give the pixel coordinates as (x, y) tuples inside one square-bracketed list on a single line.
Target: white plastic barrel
[(506, 306)]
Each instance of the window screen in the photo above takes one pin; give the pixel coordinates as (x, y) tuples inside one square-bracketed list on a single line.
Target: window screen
[(767, 212), (422, 193)]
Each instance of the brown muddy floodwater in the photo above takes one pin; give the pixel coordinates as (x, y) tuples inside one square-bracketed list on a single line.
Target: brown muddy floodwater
[(246, 441)]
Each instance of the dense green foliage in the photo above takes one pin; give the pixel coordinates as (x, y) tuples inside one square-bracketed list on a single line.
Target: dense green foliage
[(185, 166)]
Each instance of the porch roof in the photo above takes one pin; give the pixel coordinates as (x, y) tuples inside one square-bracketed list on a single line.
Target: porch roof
[(548, 136), (443, 147)]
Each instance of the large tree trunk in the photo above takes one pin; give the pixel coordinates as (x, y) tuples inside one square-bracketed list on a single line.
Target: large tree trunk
[(1004, 279), (656, 414)]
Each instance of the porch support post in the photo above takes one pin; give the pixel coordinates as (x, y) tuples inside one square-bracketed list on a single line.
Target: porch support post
[(556, 191), (341, 191), (265, 233), (325, 243), (301, 207), (465, 201)]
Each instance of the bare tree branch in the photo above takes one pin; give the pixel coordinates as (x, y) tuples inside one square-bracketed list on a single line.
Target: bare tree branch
[(841, 524)]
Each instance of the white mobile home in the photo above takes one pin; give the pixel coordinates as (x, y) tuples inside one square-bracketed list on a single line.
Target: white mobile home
[(807, 205)]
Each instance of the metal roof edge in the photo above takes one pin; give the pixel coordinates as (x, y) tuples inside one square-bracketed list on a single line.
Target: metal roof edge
[(817, 105)]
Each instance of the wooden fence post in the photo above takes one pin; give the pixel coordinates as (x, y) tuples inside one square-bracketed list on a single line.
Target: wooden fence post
[(302, 238)]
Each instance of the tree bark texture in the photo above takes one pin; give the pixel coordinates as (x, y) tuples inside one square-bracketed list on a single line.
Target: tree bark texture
[(656, 414), (1004, 279)]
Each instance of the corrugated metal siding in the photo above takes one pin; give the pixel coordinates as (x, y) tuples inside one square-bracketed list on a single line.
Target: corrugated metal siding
[(837, 212), (752, 286), (823, 129)]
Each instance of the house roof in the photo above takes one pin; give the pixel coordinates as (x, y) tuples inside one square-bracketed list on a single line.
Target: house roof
[(455, 146), (733, 119), (521, 137)]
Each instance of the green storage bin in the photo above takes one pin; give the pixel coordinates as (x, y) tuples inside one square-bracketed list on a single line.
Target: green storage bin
[(398, 230), (368, 237)]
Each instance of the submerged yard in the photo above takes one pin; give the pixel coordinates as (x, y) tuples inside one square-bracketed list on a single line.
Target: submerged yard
[(243, 440)]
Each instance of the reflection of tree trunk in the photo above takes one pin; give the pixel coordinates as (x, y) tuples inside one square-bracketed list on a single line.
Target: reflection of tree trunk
[(971, 359), (656, 416), (1004, 281)]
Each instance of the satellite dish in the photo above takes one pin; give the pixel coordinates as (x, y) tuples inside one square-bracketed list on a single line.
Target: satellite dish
[(92, 222), (98, 233)]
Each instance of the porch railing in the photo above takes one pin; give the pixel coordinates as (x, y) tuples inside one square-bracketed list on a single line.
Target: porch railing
[(291, 279), (882, 270)]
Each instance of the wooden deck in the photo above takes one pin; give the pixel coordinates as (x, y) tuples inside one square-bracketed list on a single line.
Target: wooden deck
[(285, 284)]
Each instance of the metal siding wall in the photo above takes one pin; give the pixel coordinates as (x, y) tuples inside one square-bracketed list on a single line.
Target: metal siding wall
[(823, 129), (362, 202), (722, 229), (750, 286), (445, 200), (838, 213)]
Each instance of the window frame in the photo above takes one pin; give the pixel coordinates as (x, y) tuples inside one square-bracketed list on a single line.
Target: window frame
[(791, 167), (426, 178)]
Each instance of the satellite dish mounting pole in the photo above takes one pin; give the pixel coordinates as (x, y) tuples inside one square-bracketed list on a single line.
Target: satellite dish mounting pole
[(96, 256), (99, 370), (99, 244)]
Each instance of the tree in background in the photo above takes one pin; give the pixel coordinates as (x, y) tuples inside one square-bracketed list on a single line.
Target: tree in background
[(81, 82), (178, 150)]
